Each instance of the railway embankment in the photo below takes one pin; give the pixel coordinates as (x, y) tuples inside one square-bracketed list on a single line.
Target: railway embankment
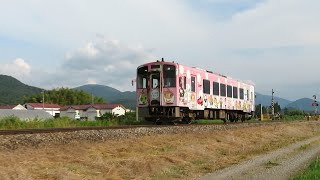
[(170, 152), (13, 139)]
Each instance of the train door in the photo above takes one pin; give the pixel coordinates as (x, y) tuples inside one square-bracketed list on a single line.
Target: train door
[(193, 92), (154, 93)]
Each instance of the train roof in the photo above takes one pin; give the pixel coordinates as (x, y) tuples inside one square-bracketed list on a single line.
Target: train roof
[(172, 62)]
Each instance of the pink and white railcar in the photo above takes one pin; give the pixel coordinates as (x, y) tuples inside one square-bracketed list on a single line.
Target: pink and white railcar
[(168, 91)]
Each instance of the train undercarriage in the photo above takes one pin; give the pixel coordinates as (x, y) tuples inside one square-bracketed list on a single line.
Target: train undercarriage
[(175, 115)]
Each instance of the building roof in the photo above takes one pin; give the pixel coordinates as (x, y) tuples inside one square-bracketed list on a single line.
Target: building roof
[(107, 106), (8, 106), (96, 106), (25, 115), (76, 107), (12, 106), (45, 105)]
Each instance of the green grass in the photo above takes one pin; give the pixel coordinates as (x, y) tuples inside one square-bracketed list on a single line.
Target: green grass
[(216, 121), (312, 172), (206, 121), (106, 120), (13, 122), (292, 118)]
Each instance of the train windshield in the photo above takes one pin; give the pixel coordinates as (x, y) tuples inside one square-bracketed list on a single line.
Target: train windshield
[(142, 78), (169, 75)]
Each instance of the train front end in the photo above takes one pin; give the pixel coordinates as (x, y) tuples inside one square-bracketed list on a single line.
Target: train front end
[(156, 88)]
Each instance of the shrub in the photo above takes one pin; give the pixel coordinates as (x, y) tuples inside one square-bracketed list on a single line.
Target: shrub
[(127, 119)]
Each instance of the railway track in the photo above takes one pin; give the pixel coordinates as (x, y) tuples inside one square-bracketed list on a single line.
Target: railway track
[(72, 129)]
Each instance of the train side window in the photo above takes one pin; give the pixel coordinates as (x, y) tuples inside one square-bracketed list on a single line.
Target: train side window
[(185, 82), (193, 84), (223, 90), (206, 86), (235, 92), (215, 88), (248, 95), (241, 93), (229, 91)]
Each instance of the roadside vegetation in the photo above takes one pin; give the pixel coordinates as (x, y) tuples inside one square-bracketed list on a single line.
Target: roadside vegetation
[(286, 114), (216, 121), (108, 119), (64, 122), (312, 172)]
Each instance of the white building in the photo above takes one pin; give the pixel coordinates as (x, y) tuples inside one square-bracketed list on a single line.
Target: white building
[(92, 111), (52, 109)]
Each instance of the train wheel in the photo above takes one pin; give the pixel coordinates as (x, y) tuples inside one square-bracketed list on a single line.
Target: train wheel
[(187, 120), (243, 118), (157, 121)]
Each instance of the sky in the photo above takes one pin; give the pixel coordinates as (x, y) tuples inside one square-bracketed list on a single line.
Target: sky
[(273, 43)]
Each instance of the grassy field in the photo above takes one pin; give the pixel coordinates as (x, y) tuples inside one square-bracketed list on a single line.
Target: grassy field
[(174, 156), (64, 122), (107, 120), (312, 172)]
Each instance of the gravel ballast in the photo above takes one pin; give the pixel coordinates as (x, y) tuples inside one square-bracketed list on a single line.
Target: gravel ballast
[(36, 140)]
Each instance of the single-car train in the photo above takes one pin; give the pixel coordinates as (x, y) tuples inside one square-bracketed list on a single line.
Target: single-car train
[(168, 91)]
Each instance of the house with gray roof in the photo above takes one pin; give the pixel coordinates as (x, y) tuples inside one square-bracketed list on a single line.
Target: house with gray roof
[(25, 115)]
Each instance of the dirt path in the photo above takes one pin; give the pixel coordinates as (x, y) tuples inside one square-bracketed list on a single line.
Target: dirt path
[(280, 164)]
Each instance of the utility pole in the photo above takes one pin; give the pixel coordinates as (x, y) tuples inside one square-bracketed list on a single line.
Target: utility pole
[(92, 98), (315, 104), (272, 106), (261, 117), (43, 99)]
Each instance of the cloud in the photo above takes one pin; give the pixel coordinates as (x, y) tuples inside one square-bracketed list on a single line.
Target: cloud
[(107, 62), (272, 24), (18, 68), (266, 41)]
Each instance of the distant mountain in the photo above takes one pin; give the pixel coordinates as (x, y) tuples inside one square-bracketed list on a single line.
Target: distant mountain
[(12, 90), (111, 95), (304, 104), (265, 100)]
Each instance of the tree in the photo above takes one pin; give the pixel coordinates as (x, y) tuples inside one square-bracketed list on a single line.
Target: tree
[(277, 108), (64, 96), (293, 112)]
